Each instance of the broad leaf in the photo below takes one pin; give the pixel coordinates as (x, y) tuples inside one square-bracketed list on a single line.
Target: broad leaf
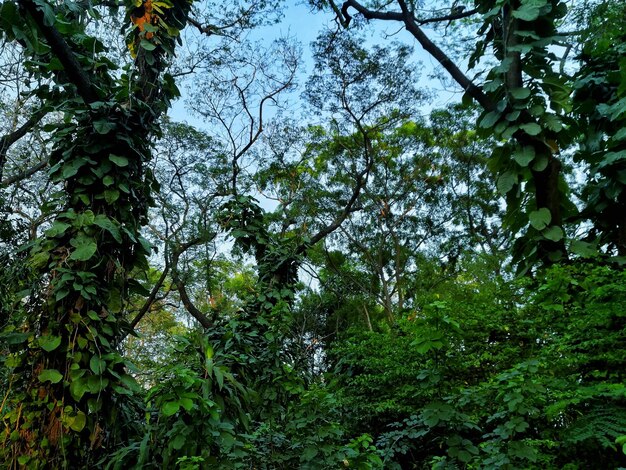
[(50, 375)]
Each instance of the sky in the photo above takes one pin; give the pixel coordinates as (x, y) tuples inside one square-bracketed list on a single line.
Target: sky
[(298, 21), (305, 25)]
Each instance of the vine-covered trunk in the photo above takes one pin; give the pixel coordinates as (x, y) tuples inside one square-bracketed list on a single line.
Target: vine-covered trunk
[(67, 401)]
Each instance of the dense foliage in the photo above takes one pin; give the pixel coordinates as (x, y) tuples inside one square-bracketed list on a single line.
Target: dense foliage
[(356, 272)]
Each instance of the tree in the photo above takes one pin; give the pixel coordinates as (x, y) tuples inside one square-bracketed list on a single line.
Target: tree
[(68, 380), (525, 102), (321, 285), (598, 103)]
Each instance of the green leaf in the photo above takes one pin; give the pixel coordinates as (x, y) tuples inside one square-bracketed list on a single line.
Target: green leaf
[(309, 454), (103, 127), (611, 158), (553, 122), (78, 422), (107, 224), (119, 161), (186, 403), (531, 128), (78, 388), (111, 195), (584, 249), (506, 181), (47, 12), (93, 315), (50, 375), (541, 163), (97, 365), (520, 93), (553, 233), (58, 228), (508, 133), (108, 180), (84, 219), (85, 248), (9, 15), (39, 260), (540, 219), (523, 156), (522, 451), (61, 294), (147, 45), (145, 244), (71, 168), (219, 376), (97, 383), (179, 441), (489, 119), (170, 408), (130, 382), (49, 343), (529, 10)]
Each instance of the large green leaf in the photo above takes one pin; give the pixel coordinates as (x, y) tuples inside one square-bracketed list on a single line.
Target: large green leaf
[(78, 422), (103, 127), (540, 219), (524, 155), (97, 365), (506, 181), (553, 233), (119, 161), (529, 10), (107, 224), (57, 229), (170, 408), (531, 128), (84, 248), (78, 387), (50, 375), (49, 343)]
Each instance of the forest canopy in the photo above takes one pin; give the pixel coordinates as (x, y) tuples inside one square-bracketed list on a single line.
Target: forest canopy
[(393, 239)]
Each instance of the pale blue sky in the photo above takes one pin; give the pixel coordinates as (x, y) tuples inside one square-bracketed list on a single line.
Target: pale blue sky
[(303, 24), (298, 22)]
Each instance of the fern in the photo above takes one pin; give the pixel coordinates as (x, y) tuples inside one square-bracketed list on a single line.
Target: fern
[(602, 423)]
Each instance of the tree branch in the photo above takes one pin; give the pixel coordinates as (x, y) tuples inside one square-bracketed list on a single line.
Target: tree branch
[(412, 26), (451, 17), (150, 300), (189, 306), (369, 14), (180, 285), (24, 174), (7, 140), (350, 207), (64, 53)]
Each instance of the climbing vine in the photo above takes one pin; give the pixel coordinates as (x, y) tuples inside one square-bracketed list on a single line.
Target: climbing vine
[(530, 99), (599, 104), (69, 381)]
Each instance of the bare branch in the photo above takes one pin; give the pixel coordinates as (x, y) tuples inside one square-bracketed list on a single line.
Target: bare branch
[(24, 174), (413, 26), (189, 306), (180, 285), (7, 140), (151, 298), (450, 17)]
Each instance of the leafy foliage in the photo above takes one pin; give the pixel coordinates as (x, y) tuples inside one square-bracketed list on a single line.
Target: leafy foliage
[(319, 286)]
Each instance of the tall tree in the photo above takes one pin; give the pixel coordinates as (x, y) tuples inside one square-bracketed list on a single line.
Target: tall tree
[(524, 101), (68, 380)]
